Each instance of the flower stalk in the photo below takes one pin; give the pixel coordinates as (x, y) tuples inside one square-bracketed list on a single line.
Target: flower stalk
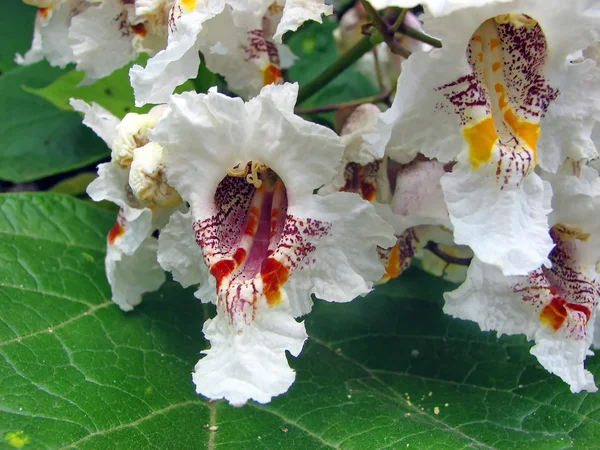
[(363, 46)]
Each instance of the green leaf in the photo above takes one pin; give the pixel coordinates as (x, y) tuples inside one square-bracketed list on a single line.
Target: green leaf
[(76, 185), (112, 92), (37, 138), (16, 23), (315, 47), (386, 371)]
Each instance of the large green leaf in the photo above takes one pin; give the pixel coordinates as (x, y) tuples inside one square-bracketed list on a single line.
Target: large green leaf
[(386, 371), (112, 92), (37, 138), (16, 23)]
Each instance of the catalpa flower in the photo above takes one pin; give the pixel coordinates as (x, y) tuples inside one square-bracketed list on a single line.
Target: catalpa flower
[(135, 181), (248, 171), (554, 306), (98, 36), (239, 40), (501, 97)]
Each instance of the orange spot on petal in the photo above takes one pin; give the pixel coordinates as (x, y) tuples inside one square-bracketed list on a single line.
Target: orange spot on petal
[(554, 314), (392, 270), (496, 66), (44, 12), (494, 43), (139, 29), (272, 74), (274, 275)]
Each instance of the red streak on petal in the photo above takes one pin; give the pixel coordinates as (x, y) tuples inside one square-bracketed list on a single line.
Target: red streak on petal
[(274, 275), (583, 309), (555, 313), (239, 256), (116, 231), (44, 12), (568, 305), (221, 269)]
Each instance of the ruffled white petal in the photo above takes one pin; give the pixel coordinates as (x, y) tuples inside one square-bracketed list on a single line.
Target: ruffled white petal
[(143, 7), (240, 54), (508, 228), (112, 184), (177, 63), (250, 364), (103, 122), (178, 252), (132, 275), (101, 40), (568, 125), (576, 204), (345, 263), (415, 121), (55, 35), (296, 12)]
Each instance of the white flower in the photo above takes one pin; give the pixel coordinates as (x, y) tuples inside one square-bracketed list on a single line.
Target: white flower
[(554, 306), (248, 171), (500, 97), (98, 36), (239, 40), (51, 33), (245, 55), (138, 186)]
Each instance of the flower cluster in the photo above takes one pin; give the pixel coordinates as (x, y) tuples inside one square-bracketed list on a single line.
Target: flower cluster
[(483, 167)]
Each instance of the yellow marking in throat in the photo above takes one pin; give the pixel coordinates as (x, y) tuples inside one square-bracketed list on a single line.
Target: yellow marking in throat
[(568, 233), (189, 5), (481, 138), (527, 131)]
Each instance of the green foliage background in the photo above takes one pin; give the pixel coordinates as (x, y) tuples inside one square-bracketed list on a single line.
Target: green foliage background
[(387, 371)]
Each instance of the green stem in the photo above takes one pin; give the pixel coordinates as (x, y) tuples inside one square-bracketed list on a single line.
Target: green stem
[(420, 36), (400, 20), (339, 65), (381, 26), (381, 97)]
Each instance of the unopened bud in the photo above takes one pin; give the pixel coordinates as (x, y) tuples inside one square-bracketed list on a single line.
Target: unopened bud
[(132, 133), (147, 178)]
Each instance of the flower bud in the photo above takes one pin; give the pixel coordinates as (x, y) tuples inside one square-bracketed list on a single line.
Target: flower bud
[(147, 179)]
